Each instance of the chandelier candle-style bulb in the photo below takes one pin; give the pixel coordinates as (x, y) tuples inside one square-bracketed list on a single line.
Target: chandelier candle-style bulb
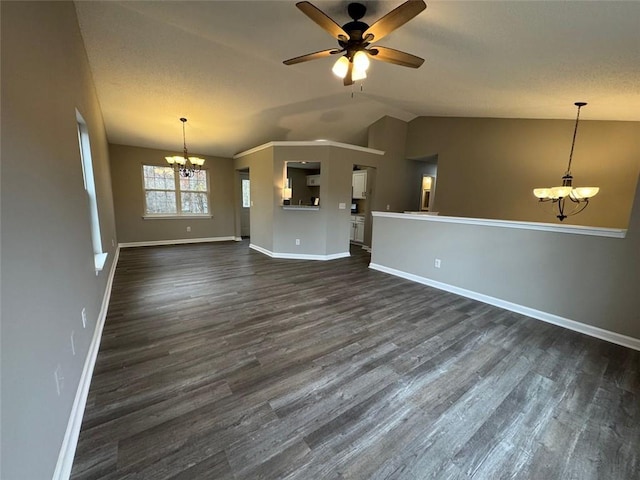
[(579, 196), (179, 163)]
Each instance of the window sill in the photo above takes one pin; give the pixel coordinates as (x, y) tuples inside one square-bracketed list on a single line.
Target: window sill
[(174, 217), (99, 259)]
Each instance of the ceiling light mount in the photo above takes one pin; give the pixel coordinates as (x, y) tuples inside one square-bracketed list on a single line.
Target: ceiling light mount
[(578, 196), (185, 165)]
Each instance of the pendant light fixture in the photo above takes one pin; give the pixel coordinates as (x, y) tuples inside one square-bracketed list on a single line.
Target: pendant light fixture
[(578, 196), (186, 165)]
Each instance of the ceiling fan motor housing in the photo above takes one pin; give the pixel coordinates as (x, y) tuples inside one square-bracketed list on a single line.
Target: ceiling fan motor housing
[(355, 28), (356, 10)]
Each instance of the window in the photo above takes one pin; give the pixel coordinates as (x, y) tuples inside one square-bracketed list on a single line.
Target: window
[(99, 256), (246, 193), (166, 193)]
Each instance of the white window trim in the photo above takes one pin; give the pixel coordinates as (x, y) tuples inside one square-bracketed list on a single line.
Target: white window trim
[(178, 215), (86, 160), (242, 184)]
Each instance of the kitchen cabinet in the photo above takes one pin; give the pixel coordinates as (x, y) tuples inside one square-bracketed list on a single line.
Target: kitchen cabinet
[(357, 229), (313, 180), (359, 184)]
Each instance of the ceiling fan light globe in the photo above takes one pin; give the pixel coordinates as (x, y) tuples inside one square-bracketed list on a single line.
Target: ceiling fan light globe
[(341, 67), (358, 74), (361, 61)]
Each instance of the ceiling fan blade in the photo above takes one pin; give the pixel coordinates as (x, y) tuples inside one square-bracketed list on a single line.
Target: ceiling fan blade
[(312, 56), (348, 79), (321, 18), (396, 57), (394, 19)]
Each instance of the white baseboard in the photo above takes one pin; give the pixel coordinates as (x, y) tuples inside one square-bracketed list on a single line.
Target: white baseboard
[(590, 330), (298, 256), (179, 241), (70, 441)]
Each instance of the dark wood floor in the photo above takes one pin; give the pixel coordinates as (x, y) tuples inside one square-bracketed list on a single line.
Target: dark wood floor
[(218, 362)]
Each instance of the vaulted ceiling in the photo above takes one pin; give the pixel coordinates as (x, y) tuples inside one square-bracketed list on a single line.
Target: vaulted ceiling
[(219, 63)]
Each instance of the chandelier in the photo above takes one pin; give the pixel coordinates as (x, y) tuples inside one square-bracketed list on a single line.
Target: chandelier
[(186, 165), (578, 197)]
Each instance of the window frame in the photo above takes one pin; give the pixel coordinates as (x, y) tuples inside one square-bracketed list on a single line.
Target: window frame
[(89, 184), (178, 191), (247, 182)]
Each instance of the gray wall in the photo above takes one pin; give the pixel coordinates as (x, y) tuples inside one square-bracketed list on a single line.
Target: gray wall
[(397, 183), (260, 165), (592, 280), (325, 231), (128, 196), (322, 232), (487, 167), (48, 273)]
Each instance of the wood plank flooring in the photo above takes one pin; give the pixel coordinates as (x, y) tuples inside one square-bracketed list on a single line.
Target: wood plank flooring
[(218, 362)]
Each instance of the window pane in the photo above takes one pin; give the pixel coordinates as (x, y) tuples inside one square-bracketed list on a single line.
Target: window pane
[(197, 183), (194, 203), (161, 202), (160, 178), (246, 195)]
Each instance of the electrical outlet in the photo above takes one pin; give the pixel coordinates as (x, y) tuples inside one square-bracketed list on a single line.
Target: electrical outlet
[(297, 241), (188, 229), (388, 207), (84, 318), (59, 379), (113, 242), (342, 206), (437, 263), (73, 345)]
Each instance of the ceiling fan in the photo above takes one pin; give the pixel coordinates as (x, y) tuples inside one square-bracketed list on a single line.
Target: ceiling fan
[(355, 39)]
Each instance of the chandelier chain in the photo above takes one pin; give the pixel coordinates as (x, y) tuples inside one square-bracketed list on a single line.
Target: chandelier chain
[(575, 131)]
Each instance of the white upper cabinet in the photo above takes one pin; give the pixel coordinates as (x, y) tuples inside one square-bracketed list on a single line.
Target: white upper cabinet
[(313, 180), (359, 184)]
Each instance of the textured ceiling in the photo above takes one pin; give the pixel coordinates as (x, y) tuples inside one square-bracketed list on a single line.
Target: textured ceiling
[(219, 63)]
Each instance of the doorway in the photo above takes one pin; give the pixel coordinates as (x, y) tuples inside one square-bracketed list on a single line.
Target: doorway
[(427, 173), (363, 181)]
